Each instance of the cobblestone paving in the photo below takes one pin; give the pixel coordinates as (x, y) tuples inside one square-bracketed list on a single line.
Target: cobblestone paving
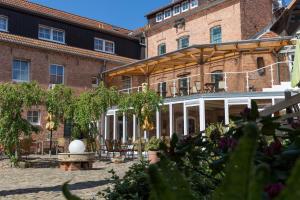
[(45, 183)]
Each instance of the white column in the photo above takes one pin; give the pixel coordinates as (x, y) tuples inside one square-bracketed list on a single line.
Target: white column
[(185, 120), (226, 110), (273, 101), (124, 128), (202, 114), (249, 103), (158, 123), (134, 128), (145, 135), (115, 125), (106, 128), (171, 117)]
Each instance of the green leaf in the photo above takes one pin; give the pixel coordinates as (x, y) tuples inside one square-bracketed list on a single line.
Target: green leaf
[(236, 183), (292, 192), (67, 194)]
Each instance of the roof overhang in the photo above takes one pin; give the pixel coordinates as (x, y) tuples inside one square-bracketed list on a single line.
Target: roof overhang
[(198, 55)]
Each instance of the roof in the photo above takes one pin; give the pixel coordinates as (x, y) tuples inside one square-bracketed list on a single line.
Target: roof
[(164, 7), (65, 16), (198, 54), (29, 42)]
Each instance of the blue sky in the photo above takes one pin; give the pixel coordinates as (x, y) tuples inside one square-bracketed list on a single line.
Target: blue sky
[(125, 13)]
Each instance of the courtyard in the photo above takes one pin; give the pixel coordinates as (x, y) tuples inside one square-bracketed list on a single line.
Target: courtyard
[(42, 182)]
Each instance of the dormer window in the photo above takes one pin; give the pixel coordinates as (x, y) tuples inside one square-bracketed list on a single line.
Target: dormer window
[(159, 17), (104, 45), (176, 10), (3, 23), (168, 13), (185, 6), (51, 34), (194, 4)]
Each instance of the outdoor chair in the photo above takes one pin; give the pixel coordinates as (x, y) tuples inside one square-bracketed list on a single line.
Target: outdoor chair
[(60, 147), (119, 148), (109, 148), (173, 91), (221, 86), (99, 148)]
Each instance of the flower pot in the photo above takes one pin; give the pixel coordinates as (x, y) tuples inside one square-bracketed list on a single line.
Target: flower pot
[(153, 157)]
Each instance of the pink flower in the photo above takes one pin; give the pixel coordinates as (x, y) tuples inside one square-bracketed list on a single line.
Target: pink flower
[(274, 189)]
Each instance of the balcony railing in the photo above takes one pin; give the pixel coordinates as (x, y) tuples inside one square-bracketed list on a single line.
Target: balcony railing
[(246, 81)]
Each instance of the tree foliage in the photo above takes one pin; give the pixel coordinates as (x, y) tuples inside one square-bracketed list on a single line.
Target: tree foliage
[(14, 98)]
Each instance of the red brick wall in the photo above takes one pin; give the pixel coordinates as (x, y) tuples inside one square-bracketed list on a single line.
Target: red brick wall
[(255, 15)]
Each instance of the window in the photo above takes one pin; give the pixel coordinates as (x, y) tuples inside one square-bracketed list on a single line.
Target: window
[(162, 49), (94, 81), (184, 85), (126, 82), (216, 35), (176, 10), (260, 66), (159, 17), (51, 34), (162, 89), (183, 42), (185, 6), (216, 77), (56, 74), (20, 72), (104, 45), (33, 117), (3, 23), (168, 13), (194, 3)]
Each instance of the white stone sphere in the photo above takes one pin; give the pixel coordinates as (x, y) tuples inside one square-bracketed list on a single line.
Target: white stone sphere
[(76, 147)]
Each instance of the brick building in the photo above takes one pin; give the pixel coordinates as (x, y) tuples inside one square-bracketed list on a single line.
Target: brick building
[(207, 59)]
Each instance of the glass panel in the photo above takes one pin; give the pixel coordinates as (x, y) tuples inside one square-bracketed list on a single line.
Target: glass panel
[(99, 44), (194, 3), (183, 42), (3, 23), (177, 9), (216, 35), (185, 6), (44, 33), (60, 70), (56, 74), (109, 46), (58, 35), (161, 49), (20, 70)]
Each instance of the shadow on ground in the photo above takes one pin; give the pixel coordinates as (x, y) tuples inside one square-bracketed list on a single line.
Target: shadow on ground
[(57, 188)]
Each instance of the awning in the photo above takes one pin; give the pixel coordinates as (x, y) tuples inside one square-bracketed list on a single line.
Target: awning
[(198, 55)]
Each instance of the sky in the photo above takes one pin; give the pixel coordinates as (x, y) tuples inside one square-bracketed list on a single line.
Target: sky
[(124, 13)]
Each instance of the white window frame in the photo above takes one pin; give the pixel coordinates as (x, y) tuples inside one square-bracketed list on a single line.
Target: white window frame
[(28, 75), (51, 34), (159, 19), (176, 13), (5, 18), (39, 117), (168, 10), (63, 78), (104, 45), (194, 6), (179, 43), (188, 4)]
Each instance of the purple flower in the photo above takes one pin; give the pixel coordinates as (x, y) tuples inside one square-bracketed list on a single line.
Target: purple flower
[(227, 143), (274, 148), (274, 189)]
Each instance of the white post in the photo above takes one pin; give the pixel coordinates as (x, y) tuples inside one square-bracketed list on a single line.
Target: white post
[(273, 101), (225, 79), (249, 103), (134, 128), (174, 88), (171, 117), (124, 129), (226, 111), (185, 120), (247, 81), (145, 135), (115, 126), (157, 123), (188, 85), (202, 114), (272, 76), (160, 89), (105, 128)]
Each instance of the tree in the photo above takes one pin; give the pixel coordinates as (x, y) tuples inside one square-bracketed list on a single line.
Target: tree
[(13, 99), (88, 108), (143, 105)]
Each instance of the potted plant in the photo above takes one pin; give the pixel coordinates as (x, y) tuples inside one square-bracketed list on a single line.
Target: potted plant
[(153, 147)]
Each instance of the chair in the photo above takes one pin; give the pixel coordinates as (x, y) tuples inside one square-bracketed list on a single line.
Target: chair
[(173, 91), (198, 86), (109, 148), (221, 86), (60, 147)]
